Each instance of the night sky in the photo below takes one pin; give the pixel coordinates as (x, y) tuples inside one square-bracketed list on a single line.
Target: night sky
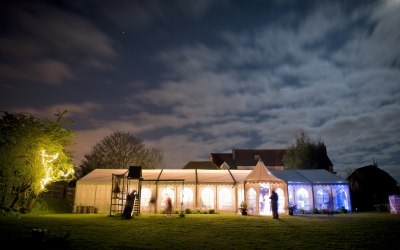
[(195, 77)]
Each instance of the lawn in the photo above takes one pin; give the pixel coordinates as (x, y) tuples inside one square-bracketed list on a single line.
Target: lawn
[(204, 231)]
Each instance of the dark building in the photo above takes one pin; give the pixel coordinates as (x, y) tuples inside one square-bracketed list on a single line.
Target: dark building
[(370, 188), (200, 165)]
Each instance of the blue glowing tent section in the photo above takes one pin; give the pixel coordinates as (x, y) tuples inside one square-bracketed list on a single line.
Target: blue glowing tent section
[(316, 189)]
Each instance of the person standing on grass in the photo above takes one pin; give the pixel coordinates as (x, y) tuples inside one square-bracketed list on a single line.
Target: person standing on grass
[(274, 204), (330, 205), (152, 204), (169, 207)]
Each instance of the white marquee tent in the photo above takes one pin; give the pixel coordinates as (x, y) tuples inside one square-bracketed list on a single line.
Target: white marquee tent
[(218, 190)]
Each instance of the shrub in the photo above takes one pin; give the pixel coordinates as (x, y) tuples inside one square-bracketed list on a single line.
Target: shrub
[(188, 211), (315, 211), (211, 211), (343, 210), (301, 211), (44, 205), (243, 208), (381, 207)]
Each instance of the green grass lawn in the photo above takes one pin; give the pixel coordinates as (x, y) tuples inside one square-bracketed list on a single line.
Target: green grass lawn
[(201, 231)]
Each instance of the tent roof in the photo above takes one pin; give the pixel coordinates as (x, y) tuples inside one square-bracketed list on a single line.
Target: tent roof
[(320, 176), (225, 176), (291, 176), (101, 175), (261, 173), (104, 176)]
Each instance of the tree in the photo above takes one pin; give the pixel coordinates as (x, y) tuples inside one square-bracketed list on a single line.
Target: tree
[(121, 150), (306, 154), (32, 155)]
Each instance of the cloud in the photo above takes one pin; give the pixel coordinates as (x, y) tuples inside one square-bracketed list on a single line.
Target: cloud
[(198, 9), (181, 148), (47, 45), (378, 46), (255, 88), (74, 109), (132, 15), (264, 87)]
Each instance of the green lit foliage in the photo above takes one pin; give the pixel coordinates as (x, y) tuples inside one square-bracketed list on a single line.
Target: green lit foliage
[(27, 144), (121, 150), (305, 154)]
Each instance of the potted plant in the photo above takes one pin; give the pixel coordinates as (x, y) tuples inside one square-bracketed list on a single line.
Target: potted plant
[(292, 208), (243, 208)]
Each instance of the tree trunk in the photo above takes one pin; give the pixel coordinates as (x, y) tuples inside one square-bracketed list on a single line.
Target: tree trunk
[(14, 201), (5, 195), (31, 202)]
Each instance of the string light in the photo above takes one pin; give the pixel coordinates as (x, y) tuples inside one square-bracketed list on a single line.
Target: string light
[(49, 170)]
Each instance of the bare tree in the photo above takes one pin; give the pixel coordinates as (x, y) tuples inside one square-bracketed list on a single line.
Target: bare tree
[(121, 150)]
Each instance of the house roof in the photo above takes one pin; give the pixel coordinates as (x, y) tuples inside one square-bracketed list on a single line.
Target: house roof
[(200, 165), (270, 157), (220, 158), (247, 157), (372, 172), (261, 173)]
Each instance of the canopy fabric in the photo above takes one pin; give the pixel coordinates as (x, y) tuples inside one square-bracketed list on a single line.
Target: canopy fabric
[(308, 176), (260, 173), (202, 176), (291, 176), (321, 176), (224, 176)]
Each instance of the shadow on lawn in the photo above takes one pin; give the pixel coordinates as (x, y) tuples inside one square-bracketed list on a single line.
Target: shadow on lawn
[(43, 239)]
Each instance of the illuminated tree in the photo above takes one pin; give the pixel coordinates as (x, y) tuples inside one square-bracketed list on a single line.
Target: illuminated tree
[(121, 150), (306, 154), (32, 155)]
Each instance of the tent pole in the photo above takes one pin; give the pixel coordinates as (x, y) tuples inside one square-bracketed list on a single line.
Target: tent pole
[(182, 195), (313, 196), (156, 205), (216, 199), (197, 183)]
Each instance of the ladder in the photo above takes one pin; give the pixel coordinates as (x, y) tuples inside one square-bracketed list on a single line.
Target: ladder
[(136, 207), (118, 194)]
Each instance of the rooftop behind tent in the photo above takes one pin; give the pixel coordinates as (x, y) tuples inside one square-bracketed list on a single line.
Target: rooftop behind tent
[(200, 165)]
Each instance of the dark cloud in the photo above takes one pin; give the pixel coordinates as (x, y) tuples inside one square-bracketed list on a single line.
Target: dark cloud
[(47, 45), (330, 69)]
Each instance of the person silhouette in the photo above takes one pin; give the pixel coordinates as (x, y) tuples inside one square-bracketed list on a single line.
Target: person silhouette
[(274, 204), (169, 206)]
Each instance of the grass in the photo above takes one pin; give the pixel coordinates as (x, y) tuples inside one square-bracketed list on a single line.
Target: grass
[(200, 231)]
